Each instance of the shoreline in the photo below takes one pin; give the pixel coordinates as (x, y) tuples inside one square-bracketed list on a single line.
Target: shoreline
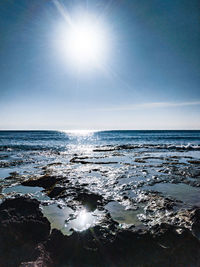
[(164, 237), (27, 240), (100, 200)]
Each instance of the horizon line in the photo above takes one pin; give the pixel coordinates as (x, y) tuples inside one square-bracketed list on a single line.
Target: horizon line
[(89, 130)]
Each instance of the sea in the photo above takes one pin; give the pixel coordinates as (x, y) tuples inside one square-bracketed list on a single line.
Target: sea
[(125, 167)]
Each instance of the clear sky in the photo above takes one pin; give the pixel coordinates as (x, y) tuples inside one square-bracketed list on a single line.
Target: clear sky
[(149, 77)]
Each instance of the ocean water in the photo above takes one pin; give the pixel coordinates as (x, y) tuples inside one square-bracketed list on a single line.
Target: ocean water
[(21, 144), (34, 148), (122, 166)]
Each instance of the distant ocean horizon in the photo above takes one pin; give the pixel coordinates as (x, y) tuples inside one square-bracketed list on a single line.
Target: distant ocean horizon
[(95, 130), (71, 141)]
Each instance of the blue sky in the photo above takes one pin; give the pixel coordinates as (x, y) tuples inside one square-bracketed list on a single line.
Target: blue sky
[(150, 79)]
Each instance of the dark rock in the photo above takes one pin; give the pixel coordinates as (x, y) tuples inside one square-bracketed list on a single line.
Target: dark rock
[(196, 223), (44, 181), (104, 149), (6, 164), (76, 160), (89, 200), (54, 164), (78, 195), (98, 246), (194, 161), (80, 249), (22, 226), (139, 160), (40, 258), (56, 191)]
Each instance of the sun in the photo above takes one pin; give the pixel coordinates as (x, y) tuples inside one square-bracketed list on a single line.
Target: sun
[(83, 42)]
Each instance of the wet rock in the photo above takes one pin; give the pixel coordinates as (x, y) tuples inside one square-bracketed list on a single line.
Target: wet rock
[(196, 223), (181, 218), (14, 174), (159, 203), (165, 245), (192, 183), (159, 209), (56, 191), (94, 170), (185, 172), (39, 258), (3, 157), (22, 227), (81, 248), (140, 160), (89, 200), (6, 164), (44, 181), (180, 246), (102, 245), (79, 195), (54, 164), (77, 159), (104, 149), (194, 161), (23, 219), (82, 160)]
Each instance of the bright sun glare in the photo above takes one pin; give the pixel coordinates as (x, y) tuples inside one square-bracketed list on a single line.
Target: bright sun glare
[(85, 43), (82, 40)]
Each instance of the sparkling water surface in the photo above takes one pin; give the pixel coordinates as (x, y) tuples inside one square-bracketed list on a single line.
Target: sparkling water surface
[(119, 165)]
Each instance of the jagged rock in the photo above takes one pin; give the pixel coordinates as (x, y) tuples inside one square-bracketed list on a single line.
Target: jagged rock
[(25, 240), (56, 191), (44, 181), (196, 223), (194, 161), (40, 258), (165, 245), (22, 227), (89, 200)]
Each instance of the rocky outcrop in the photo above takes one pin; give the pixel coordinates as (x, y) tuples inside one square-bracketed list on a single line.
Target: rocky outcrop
[(44, 181), (40, 258), (165, 245), (76, 195), (56, 191), (196, 223), (22, 227), (25, 241), (89, 200)]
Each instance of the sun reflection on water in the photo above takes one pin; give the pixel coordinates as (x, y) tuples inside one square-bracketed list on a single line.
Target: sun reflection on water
[(79, 133), (80, 140), (83, 221), (83, 216), (65, 219)]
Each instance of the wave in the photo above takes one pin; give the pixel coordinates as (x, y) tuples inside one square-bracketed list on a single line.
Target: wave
[(31, 148), (147, 146)]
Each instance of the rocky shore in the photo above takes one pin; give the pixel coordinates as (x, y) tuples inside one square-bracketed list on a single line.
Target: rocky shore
[(112, 206), (26, 239)]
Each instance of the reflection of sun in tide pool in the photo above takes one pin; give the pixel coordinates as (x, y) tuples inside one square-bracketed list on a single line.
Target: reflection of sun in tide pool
[(82, 217), (83, 221), (66, 219)]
